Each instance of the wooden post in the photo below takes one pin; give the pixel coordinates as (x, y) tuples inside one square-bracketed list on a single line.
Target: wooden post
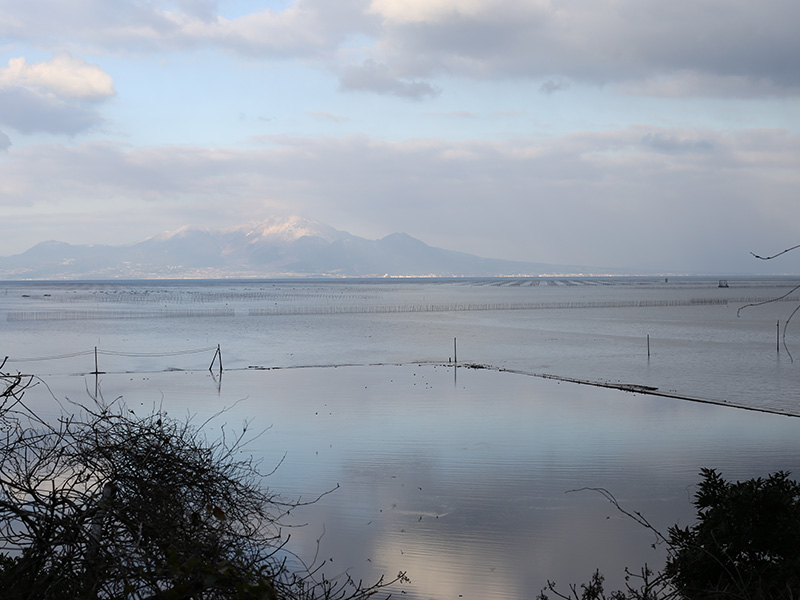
[(648, 345), (778, 339), (96, 370), (96, 375), (217, 354), (455, 351)]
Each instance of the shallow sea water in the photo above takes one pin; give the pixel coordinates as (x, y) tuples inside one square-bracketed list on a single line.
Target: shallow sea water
[(460, 477), (592, 329)]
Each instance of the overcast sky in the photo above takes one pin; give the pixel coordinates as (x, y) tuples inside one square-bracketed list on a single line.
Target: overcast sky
[(652, 134)]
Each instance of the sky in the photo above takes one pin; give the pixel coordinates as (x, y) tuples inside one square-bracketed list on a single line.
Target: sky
[(638, 134)]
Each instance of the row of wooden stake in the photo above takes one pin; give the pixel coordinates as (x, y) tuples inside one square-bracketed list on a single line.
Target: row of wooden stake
[(777, 341), (217, 359)]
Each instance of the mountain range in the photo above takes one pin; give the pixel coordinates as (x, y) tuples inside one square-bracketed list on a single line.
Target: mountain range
[(277, 247)]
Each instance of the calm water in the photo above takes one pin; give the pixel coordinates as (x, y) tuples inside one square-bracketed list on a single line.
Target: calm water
[(458, 477)]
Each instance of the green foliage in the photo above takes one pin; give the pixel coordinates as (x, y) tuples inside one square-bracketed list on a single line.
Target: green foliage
[(745, 544)]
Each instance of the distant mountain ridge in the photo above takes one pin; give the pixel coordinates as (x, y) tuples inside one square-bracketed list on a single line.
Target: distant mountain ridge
[(276, 247)]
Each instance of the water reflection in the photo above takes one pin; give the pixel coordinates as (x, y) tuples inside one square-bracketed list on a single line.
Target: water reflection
[(463, 486)]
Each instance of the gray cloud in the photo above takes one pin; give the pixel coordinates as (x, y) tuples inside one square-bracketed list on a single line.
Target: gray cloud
[(551, 87), (671, 144), (741, 48), (605, 198), (31, 112), (373, 77), (5, 142), (701, 43), (306, 28)]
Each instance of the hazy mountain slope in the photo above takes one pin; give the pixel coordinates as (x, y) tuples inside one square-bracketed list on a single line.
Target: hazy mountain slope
[(276, 247)]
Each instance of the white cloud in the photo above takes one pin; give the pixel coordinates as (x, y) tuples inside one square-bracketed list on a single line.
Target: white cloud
[(65, 75), (421, 11), (56, 96)]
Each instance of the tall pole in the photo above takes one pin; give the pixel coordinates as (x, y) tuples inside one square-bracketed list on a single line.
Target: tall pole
[(455, 351), (217, 355), (96, 375)]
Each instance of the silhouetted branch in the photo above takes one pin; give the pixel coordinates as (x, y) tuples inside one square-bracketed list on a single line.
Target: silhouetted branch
[(775, 255), (635, 515), (104, 503), (777, 299)]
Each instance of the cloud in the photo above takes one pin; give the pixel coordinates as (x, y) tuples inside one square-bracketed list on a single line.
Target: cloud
[(684, 47), (305, 28), (658, 196), (373, 77), (671, 144), (551, 87), (685, 83), (56, 96), (5, 142), (745, 46), (65, 76), (326, 116), (29, 112), (422, 11)]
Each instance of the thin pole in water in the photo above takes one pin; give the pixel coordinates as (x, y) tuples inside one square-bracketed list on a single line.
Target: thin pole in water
[(217, 354), (648, 345), (778, 339), (455, 351), (96, 375)]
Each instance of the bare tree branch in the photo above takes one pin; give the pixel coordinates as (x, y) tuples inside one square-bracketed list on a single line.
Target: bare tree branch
[(775, 255), (104, 503)]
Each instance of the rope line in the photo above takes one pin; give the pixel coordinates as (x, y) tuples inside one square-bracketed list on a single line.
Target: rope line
[(114, 353), (55, 357), (156, 354)]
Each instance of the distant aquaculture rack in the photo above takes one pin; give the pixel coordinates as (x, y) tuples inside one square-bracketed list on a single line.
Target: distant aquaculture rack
[(354, 308), (474, 306)]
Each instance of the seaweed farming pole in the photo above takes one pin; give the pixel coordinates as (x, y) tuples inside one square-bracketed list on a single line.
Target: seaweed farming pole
[(96, 374), (217, 355), (648, 345), (778, 339), (455, 352), (96, 371)]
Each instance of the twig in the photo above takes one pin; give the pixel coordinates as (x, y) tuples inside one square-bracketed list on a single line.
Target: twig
[(775, 255)]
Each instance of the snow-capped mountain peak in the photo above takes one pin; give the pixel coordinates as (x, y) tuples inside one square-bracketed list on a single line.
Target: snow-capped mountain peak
[(290, 229)]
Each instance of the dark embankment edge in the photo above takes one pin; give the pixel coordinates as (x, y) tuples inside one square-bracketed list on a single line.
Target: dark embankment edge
[(624, 387)]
